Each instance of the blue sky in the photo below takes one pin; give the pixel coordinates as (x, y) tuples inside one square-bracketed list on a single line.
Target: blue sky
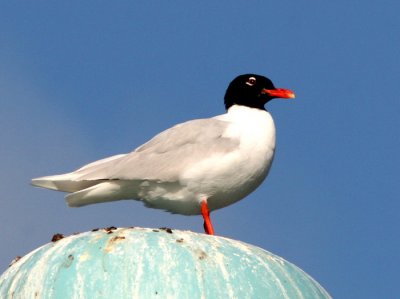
[(80, 81)]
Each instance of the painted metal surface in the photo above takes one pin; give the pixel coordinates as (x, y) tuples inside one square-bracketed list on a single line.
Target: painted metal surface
[(154, 263)]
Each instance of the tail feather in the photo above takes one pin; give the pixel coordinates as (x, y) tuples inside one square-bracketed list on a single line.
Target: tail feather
[(102, 192)]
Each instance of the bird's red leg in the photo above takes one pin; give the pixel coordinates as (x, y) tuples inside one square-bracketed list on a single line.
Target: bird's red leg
[(208, 227)]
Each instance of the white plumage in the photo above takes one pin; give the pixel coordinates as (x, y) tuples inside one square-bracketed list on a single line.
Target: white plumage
[(193, 167), (222, 159)]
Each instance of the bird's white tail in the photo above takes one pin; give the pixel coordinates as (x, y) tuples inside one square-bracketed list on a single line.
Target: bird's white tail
[(103, 192)]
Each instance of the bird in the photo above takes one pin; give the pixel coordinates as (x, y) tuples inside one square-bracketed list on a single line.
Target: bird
[(192, 168)]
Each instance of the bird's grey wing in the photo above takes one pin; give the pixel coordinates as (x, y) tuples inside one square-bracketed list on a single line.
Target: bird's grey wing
[(166, 155)]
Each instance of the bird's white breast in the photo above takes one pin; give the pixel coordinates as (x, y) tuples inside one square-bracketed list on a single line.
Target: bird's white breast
[(225, 179)]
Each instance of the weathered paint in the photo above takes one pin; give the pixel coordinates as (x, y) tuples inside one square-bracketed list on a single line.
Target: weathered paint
[(154, 263)]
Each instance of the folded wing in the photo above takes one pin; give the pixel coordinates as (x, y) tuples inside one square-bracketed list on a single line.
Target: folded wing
[(162, 159)]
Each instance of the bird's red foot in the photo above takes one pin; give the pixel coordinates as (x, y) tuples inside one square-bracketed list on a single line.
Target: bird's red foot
[(208, 227)]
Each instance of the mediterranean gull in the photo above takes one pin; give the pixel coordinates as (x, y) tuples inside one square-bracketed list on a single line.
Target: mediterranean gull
[(192, 168)]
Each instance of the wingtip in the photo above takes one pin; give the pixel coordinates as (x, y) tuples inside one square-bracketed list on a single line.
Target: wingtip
[(43, 183)]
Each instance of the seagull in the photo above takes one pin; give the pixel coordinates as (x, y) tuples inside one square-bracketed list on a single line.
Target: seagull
[(191, 168)]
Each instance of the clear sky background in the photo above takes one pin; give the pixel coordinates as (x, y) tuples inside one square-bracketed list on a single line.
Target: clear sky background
[(82, 80)]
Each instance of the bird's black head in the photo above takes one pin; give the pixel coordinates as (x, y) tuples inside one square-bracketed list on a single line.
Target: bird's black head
[(253, 91)]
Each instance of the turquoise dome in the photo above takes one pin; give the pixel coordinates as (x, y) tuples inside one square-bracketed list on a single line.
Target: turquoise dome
[(153, 263)]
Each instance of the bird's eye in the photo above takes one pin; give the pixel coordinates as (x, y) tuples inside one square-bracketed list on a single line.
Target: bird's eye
[(251, 81)]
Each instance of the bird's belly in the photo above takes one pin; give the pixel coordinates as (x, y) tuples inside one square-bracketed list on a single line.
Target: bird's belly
[(228, 179), (222, 182)]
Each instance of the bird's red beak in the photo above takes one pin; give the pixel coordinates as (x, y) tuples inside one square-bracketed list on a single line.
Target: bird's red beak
[(279, 93)]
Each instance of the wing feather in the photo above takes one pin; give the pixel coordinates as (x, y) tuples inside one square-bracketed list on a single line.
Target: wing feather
[(166, 155)]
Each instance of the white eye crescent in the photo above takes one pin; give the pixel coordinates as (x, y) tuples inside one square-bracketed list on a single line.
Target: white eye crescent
[(251, 81)]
